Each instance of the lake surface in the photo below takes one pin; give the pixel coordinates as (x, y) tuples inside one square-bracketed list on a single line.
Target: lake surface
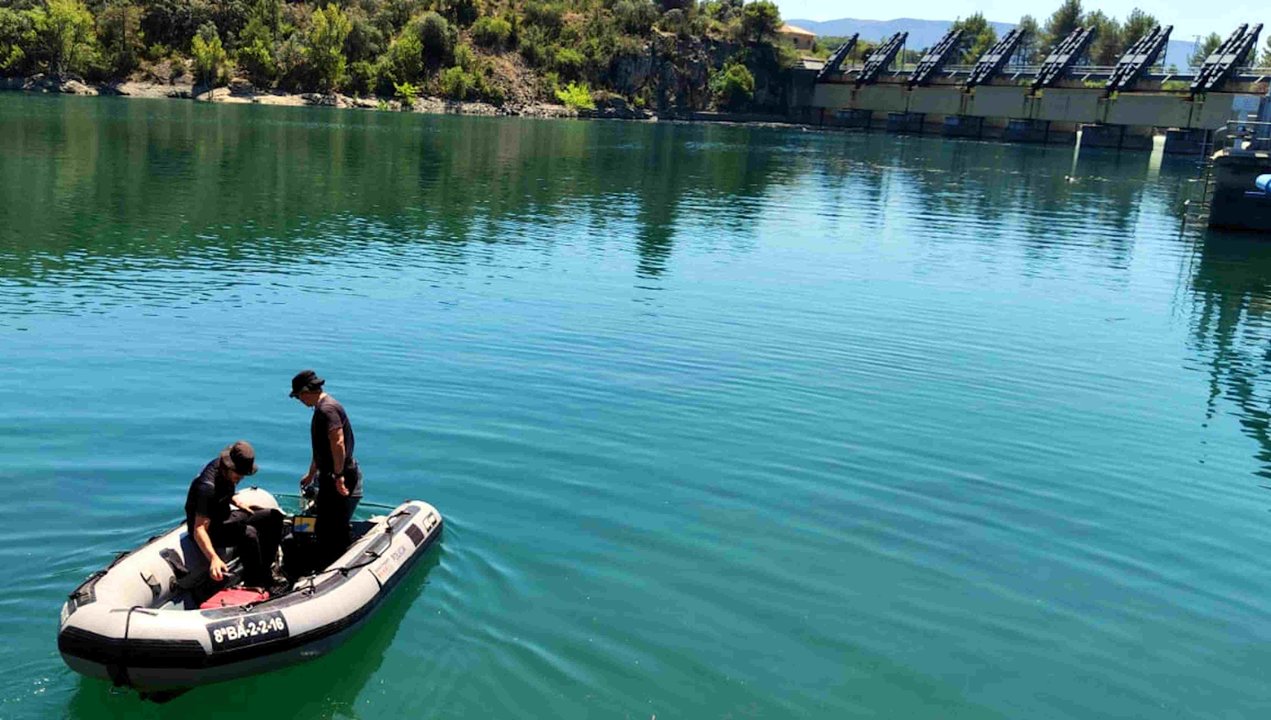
[(724, 421)]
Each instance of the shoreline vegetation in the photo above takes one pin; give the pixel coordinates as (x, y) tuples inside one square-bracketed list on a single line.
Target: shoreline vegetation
[(631, 59), (635, 59)]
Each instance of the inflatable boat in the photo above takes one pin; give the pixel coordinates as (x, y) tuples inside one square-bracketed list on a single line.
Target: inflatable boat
[(138, 622)]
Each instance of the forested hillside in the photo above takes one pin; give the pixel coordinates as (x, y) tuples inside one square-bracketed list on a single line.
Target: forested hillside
[(667, 54)]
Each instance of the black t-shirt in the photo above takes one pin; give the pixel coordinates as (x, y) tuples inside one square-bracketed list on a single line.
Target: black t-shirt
[(329, 414), (209, 496)]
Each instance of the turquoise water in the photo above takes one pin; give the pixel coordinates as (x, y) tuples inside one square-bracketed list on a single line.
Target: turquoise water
[(724, 421)]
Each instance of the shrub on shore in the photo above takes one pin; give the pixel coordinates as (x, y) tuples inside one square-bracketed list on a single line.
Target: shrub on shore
[(576, 96), (209, 57), (733, 86), (492, 32)]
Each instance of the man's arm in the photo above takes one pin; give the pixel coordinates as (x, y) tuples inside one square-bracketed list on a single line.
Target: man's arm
[(311, 474), (215, 565), (336, 438)]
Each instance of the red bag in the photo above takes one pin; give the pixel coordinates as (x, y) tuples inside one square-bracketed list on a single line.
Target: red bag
[(233, 597)]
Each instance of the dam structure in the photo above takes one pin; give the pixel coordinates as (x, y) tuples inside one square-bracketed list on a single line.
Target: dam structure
[(1119, 107)]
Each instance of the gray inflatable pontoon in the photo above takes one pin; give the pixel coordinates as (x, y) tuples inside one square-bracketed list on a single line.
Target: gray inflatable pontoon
[(137, 622)]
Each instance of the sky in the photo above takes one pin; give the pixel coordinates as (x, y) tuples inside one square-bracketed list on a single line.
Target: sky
[(1188, 18)]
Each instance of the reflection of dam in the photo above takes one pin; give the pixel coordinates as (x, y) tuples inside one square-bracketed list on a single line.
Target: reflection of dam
[(1231, 290), (1119, 106)]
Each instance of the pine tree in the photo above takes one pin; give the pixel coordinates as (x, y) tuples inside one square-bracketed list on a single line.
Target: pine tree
[(977, 37), (1137, 25), (1061, 23), (1204, 49), (1030, 47), (1107, 45)]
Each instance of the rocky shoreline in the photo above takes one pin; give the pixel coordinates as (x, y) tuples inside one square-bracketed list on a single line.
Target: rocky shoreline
[(244, 94)]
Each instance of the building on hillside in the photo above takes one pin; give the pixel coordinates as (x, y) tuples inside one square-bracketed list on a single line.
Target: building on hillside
[(802, 39)]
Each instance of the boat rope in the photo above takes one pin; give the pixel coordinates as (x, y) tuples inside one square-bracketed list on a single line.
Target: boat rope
[(80, 592), (119, 673)]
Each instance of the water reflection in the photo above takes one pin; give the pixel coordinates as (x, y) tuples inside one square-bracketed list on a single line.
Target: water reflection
[(1231, 287), (124, 185), (120, 183), (97, 195)]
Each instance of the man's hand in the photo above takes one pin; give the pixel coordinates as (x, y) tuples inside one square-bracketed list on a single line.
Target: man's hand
[(339, 486), (217, 568), (308, 478)]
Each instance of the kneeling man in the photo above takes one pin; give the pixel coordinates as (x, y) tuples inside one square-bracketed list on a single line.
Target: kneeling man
[(214, 518)]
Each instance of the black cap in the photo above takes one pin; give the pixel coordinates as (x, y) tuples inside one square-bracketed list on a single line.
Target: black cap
[(240, 456), (305, 380)]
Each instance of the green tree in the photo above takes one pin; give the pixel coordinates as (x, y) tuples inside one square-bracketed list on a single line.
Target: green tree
[(65, 34), (1137, 25), (209, 56), (535, 46), (174, 23), (119, 27), (366, 39), (1030, 46), (293, 63), (269, 12), (1107, 45), (324, 47), (457, 83), (733, 86), (675, 21), (977, 37), (1204, 49), (17, 33), (492, 32), (863, 50), (462, 12), (1264, 62), (230, 17), (570, 63), (256, 53), (1060, 24), (363, 77), (635, 17), (404, 61), (437, 36), (392, 15), (723, 11), (760, 21), (547, 15)]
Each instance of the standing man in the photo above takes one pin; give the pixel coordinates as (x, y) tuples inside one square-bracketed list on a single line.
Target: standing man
[(215, 518), (333, 467)]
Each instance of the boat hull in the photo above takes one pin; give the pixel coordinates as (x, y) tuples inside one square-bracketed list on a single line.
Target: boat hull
[(121, 625)]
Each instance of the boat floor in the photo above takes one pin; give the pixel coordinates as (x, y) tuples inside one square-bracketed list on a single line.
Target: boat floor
[(189, 600)]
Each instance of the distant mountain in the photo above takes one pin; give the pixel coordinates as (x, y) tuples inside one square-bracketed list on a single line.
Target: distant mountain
[(925, 33)]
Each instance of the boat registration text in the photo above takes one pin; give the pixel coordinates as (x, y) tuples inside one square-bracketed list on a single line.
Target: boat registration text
[(247, 630)]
